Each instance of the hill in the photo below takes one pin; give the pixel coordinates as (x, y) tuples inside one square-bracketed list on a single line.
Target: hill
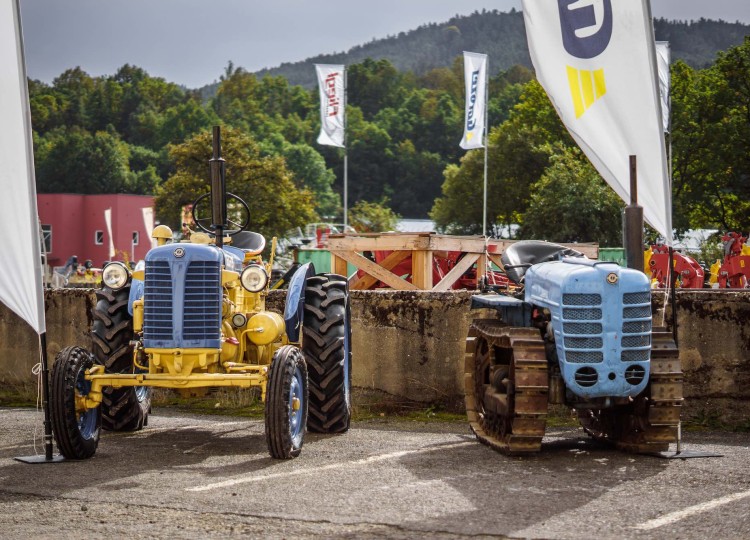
[(502, 36)]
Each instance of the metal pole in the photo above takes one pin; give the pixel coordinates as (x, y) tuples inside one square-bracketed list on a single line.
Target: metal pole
[(45, 398), (217, 166), (346, 157), (486, 147), (48, 455), (634, 223)]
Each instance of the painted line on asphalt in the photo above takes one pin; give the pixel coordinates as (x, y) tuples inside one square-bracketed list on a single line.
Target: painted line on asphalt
[(296, 472), (691, 510)]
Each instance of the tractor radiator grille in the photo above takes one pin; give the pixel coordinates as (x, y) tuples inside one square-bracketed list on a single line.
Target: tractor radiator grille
[(636, 335), (583, 340), (202, 319), (182, 308), (157, 302), (582, 299)]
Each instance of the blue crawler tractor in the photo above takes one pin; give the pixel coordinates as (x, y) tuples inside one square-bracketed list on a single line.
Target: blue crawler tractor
[(579, 334)]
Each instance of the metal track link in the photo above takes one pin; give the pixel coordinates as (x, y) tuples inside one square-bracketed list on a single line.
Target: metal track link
[(510, 421), (661, 422), (651, 422)]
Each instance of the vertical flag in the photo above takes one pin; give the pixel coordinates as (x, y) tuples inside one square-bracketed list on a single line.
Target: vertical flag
[(475, 78), (596, 61), (148, 222), (663, 59), (108, 222), (332, 104), (21, 264)]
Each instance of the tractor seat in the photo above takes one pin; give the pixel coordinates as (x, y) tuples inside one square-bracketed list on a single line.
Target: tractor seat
[(521, 255), (249, 241)]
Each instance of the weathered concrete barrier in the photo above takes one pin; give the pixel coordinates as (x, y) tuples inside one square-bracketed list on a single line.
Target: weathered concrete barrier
[(411, 344)]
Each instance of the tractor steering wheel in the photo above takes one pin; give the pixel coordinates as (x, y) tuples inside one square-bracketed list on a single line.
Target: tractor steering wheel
[(236, 208)]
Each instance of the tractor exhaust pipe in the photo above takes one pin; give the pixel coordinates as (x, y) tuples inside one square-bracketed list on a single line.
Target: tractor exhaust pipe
[(218, 168), (633, 225)]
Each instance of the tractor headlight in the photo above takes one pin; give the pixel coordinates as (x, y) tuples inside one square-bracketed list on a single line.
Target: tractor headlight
[(254, 278), (115, 275)]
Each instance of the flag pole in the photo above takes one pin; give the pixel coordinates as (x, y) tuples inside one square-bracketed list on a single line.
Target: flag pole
[(346, 154), (48, 456), (486, 145)]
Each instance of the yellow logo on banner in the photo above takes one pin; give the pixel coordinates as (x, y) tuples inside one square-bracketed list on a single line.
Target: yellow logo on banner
[(585, 87)]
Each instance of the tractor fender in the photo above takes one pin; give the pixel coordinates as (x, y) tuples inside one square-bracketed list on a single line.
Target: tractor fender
[(295, 301), (136, 288)]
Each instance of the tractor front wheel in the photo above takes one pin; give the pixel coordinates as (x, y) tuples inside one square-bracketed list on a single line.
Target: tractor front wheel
[(76, 428), (286, 403)]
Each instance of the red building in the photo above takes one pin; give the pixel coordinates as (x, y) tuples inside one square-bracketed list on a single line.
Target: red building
[(76, 225)]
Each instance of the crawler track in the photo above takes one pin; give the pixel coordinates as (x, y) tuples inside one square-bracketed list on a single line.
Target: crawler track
[(506, 386), (650, 424)]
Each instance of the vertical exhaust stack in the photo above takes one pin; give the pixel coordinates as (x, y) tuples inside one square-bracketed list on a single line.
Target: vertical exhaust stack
[(218, 168), (633, 226)]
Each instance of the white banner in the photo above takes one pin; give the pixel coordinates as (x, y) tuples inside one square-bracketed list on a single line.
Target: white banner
[(596, 60), (108, 222), (21, 286), (148, 222), (332, 104), (663, 59), (475, 78)]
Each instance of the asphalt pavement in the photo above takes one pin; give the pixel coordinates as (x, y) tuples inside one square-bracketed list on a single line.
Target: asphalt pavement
[(189, 476)]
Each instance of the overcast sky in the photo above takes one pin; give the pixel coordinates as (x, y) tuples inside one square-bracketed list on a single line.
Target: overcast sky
[(189, 42)]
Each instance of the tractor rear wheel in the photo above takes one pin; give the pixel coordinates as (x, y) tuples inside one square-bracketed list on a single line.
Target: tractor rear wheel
[(506, 386), (123, 409), (327, 348), (286, 403), (76, 428)]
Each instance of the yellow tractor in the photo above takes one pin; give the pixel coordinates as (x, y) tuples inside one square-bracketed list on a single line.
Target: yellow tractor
[(193, 316)]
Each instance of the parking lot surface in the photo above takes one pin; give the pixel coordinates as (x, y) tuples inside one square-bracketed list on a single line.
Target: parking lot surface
[(189, 476)]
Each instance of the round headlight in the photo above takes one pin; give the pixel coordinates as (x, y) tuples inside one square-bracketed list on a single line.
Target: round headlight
[(115, 275), (254, 278)]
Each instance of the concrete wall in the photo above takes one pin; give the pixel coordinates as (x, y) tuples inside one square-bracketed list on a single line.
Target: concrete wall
[(411, 344), (68, 321)]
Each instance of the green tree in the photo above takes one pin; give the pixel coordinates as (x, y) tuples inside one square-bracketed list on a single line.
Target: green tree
[(572, 203), (519, 153), (373, 216), (276, 204), (308, 169), (75, 161)]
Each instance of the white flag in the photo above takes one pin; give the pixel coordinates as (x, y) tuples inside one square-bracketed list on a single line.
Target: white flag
[(108, 222), (475, 77), (596, 60), (663, 59), (21, 264), (332, 104), (148, 222)]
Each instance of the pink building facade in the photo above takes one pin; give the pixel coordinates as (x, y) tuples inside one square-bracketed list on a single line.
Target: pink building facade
[(76, 225)]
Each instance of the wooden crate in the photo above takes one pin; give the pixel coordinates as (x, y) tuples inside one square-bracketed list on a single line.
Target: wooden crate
[(422, 248)]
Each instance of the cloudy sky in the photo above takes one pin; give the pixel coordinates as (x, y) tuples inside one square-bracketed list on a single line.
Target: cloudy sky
[(190, 41)]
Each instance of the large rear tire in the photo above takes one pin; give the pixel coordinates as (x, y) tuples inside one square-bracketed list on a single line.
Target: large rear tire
[(286, 403), (327, 349), (76, 429), (123, 409)]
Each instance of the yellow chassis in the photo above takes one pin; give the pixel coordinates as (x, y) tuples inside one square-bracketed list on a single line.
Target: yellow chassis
[(179, 375)]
